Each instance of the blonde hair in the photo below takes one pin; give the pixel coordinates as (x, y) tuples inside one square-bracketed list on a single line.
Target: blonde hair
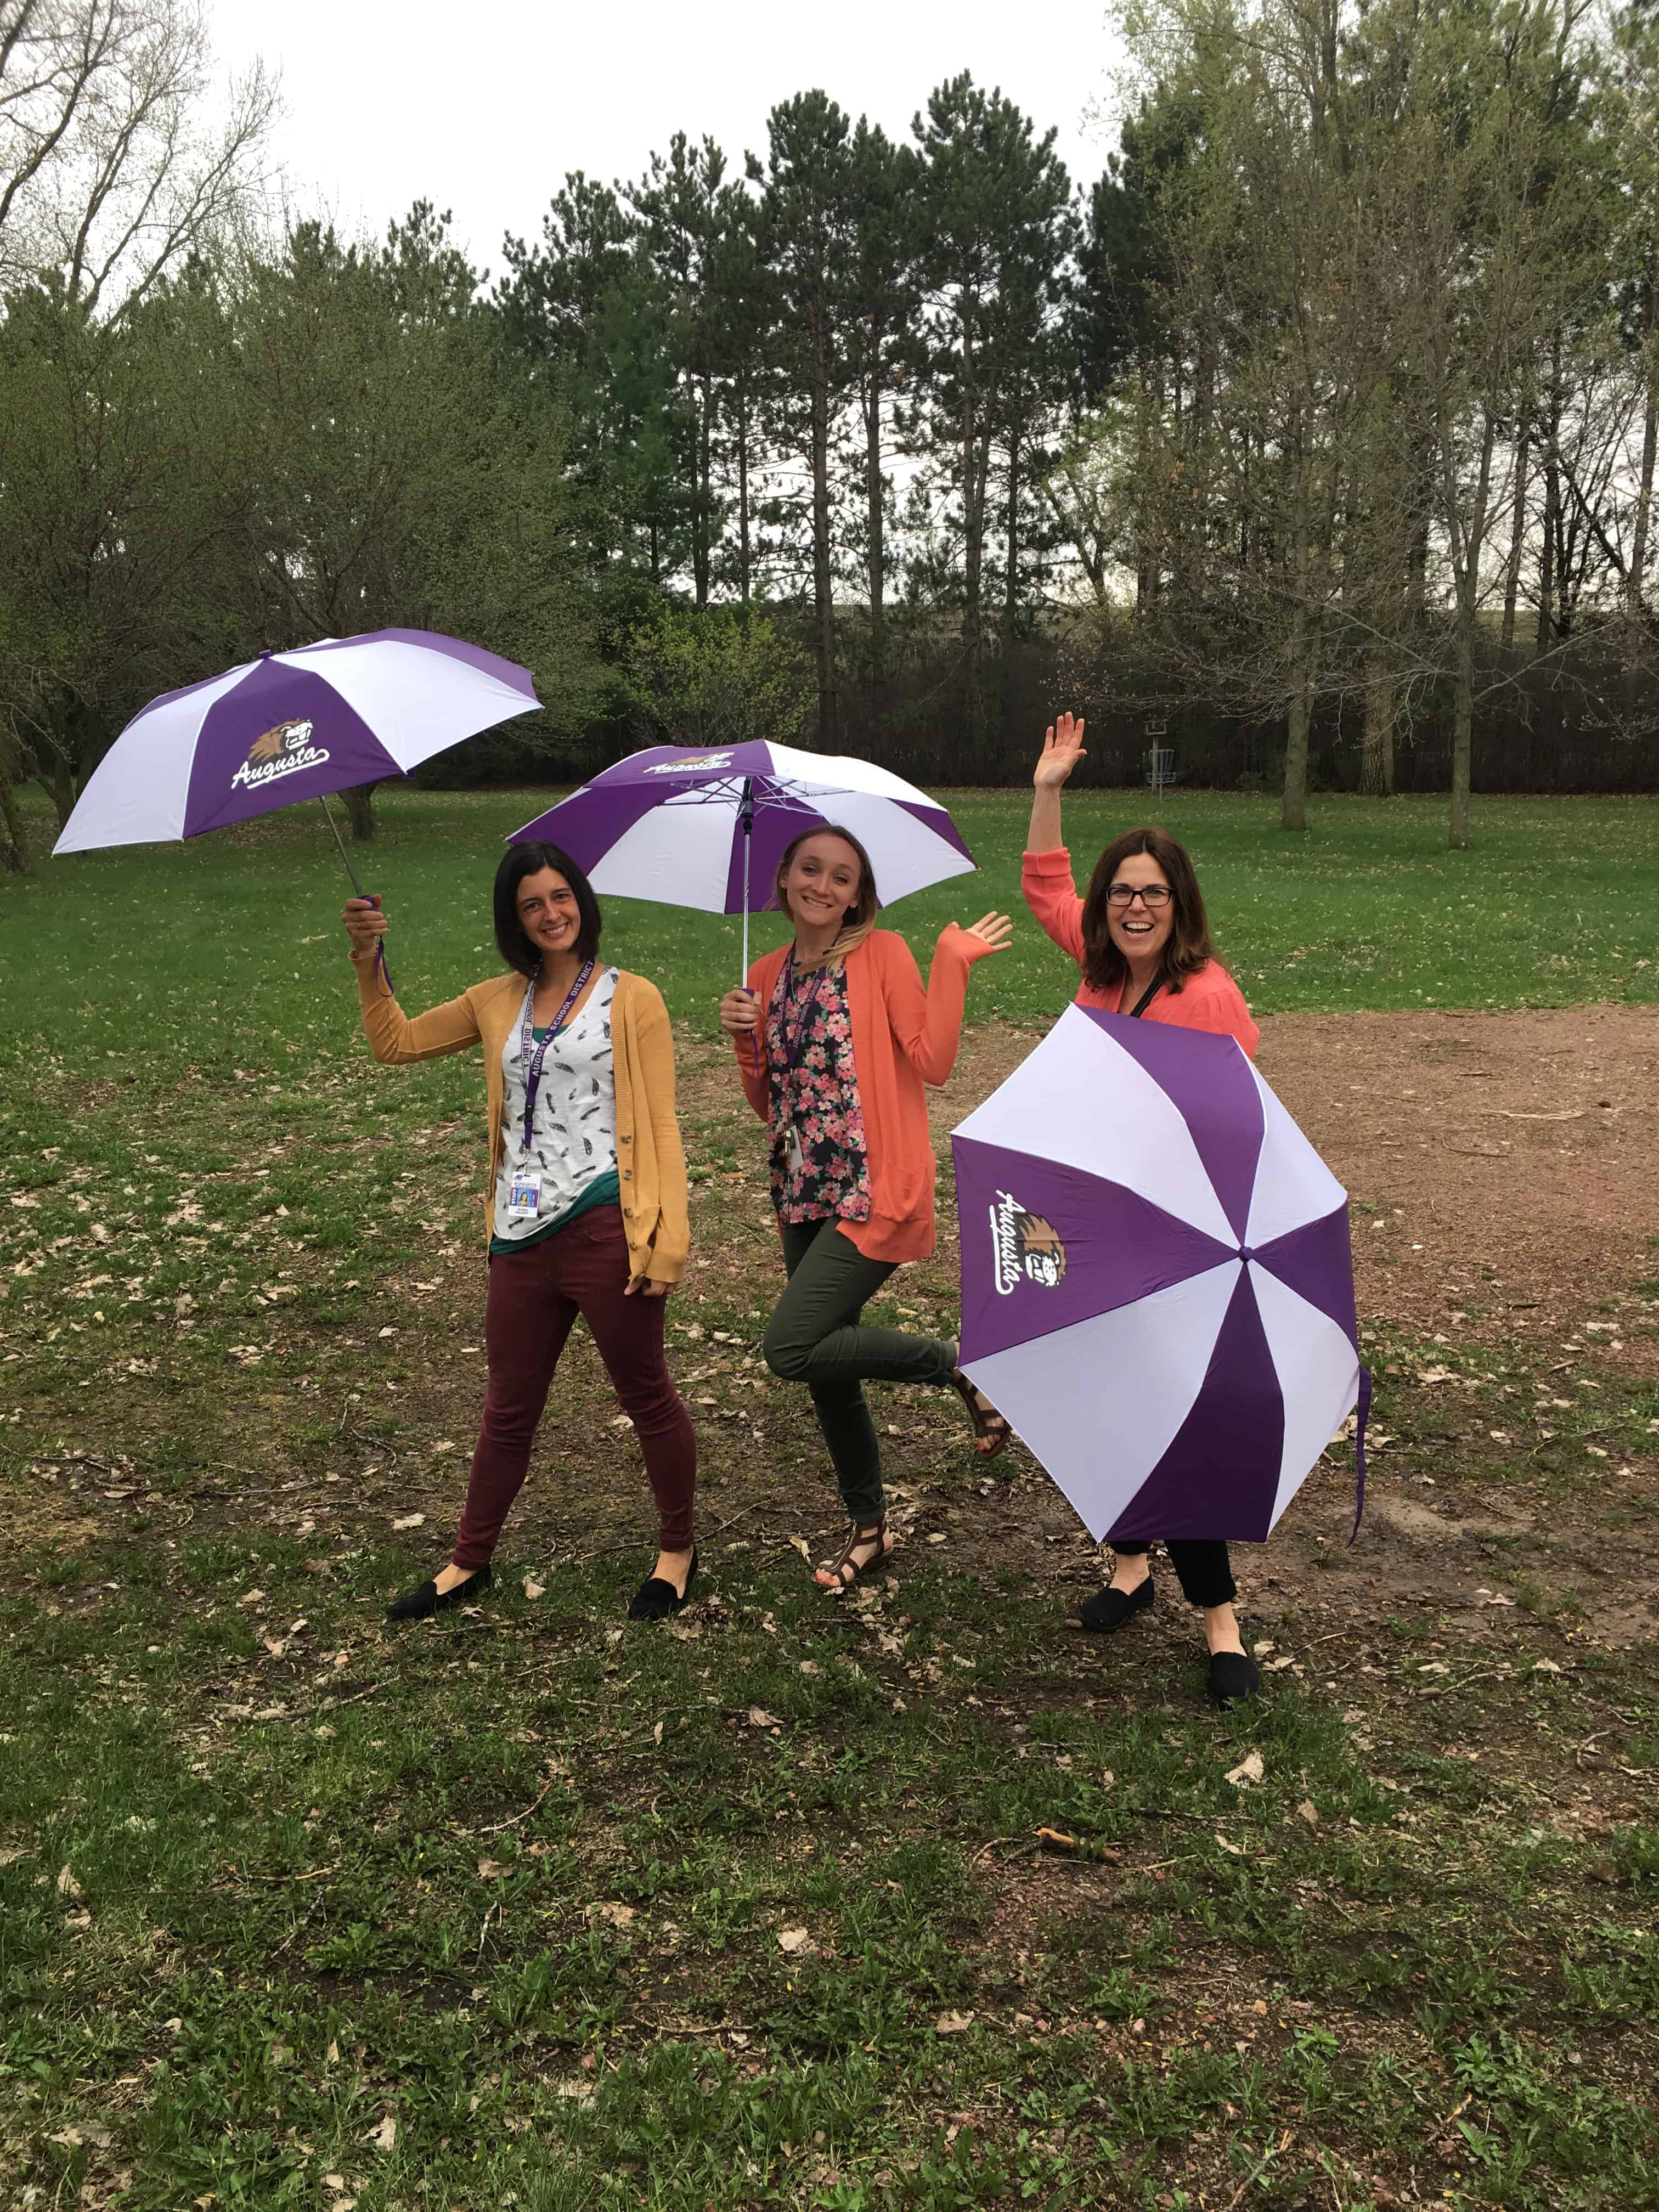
[(862, 911)]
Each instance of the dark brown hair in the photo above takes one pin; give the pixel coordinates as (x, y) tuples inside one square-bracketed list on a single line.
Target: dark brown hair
[(860, 917), (529, 859), (1187, 947)]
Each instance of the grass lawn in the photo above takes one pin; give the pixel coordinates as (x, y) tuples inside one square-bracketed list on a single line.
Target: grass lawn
[(528, 1908)]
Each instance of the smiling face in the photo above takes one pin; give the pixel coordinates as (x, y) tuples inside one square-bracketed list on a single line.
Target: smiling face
[(821, 882), (547, 911), (1139, 932)]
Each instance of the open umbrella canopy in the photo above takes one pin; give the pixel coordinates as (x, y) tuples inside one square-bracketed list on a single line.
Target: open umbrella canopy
[(707, 828), (1156, 1279), (288, 726)]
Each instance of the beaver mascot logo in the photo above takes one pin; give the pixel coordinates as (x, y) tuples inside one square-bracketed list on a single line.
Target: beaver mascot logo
[(281, 751), (1026, 1248)]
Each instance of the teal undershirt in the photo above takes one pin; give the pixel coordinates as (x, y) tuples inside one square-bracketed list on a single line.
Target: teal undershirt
[(604, 1190)]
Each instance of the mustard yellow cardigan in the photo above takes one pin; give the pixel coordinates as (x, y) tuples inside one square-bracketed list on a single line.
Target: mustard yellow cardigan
[(650, 1160)]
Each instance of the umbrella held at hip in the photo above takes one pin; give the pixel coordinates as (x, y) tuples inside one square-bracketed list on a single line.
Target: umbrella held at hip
[(1156, 1280)]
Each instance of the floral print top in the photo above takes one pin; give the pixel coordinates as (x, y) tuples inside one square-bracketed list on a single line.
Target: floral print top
[(814, 1092)]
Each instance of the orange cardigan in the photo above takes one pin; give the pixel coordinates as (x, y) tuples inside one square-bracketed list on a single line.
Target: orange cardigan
[(1208, 1000), (903, 1037)]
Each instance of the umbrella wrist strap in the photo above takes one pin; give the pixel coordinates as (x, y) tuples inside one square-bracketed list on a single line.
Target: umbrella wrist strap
[(1364, 1414)]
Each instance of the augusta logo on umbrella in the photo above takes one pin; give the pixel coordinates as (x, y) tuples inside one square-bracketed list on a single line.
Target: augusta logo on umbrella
[(698, 764), (283, 750), (1026, 1247)]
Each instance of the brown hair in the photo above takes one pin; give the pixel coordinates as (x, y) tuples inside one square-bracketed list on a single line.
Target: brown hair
[(1187, 946), (860, 917)]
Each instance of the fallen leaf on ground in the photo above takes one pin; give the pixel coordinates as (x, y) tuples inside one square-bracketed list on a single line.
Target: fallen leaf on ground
[(386, 2135), (760, 1718), (411, 1521), (1249, 1769), (802, 1547), (619, 1915), (492, 1869), (67, 1884), (1309, 1812), (953, 2023), (533, 1588), (1236, 1849), (793, 1939)]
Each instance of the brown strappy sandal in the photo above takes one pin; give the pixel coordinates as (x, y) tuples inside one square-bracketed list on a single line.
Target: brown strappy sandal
[(846, 1570), (986, 1421)]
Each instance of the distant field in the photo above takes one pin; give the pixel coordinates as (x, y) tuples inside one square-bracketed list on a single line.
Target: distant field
[(1556, 903)]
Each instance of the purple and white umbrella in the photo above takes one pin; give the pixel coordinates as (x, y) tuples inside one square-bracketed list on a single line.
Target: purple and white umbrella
[(706, 827), (1157, 1279), (288, 726)]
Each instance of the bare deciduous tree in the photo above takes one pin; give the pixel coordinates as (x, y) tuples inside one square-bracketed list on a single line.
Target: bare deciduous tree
[(110, 170)]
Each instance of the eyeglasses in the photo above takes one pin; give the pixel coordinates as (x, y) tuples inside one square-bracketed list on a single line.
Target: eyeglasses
[(1152, 896)]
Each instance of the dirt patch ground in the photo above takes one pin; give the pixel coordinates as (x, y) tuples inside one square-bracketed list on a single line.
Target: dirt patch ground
[(1510, 1156)]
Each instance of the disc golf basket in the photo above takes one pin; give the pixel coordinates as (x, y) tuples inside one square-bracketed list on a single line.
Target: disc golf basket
[(1158, 760)]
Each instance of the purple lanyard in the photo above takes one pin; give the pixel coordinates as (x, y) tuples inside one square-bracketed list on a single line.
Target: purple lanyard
[(793, 1042), (531, 1056)]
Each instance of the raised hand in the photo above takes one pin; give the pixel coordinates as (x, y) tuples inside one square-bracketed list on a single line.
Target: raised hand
[(365, 923), (739, 1011), (994, 930), (1062, 748)]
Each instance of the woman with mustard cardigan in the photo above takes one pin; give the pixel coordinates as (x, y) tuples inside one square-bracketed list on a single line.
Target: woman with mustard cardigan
[(835, 1038), (586, 1205)]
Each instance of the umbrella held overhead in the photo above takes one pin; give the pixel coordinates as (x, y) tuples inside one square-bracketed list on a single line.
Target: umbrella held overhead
[(707, 828)]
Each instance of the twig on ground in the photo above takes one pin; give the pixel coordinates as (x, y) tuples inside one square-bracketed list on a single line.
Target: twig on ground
[(517, 1817), (1251, 2179)]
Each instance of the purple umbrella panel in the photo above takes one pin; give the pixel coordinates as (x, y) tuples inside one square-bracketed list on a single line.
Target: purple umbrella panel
[(1156, 1279), (290, 726), (668, 823)]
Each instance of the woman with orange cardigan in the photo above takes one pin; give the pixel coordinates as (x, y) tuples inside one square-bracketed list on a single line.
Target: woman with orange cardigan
[(1142, 939), (835, 1038)]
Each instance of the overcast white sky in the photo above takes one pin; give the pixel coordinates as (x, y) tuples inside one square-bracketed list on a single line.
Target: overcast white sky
[(483, 108)]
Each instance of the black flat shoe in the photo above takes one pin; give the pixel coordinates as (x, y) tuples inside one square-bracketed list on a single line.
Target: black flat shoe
[(1108, 1608), (656, 1598), (1234, 1675), (420, 1604)]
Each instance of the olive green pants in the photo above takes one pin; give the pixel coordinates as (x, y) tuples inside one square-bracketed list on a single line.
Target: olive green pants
[(815, 1337)]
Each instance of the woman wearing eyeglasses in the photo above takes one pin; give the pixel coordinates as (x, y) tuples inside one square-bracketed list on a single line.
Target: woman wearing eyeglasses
[(1142, 939)]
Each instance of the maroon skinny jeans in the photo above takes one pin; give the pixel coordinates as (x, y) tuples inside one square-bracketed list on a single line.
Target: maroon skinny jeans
[(535, 1297)]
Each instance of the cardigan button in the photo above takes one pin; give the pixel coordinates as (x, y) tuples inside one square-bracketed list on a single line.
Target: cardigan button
[(628, 1214)]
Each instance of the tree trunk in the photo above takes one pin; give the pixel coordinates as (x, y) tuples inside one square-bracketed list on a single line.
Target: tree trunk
[(1649, 440), (702, 498), (360, 810), (1293, 812), (876, 556), (743, 494), (16, 858), (1464, 725), (1377, 748), (1011, 594), (973, 520), (1547, 563), (822, 584), (1517, 532), (57, 779)]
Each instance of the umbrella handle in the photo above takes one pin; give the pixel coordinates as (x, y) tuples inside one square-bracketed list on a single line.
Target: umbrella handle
[(384, 972)]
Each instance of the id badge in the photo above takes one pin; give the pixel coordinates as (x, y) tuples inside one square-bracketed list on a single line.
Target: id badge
[(524, 1196), (797, 1158)]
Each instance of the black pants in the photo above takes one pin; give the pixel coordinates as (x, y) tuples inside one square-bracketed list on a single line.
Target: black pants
[(1206, 1574), (816, 1336)]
